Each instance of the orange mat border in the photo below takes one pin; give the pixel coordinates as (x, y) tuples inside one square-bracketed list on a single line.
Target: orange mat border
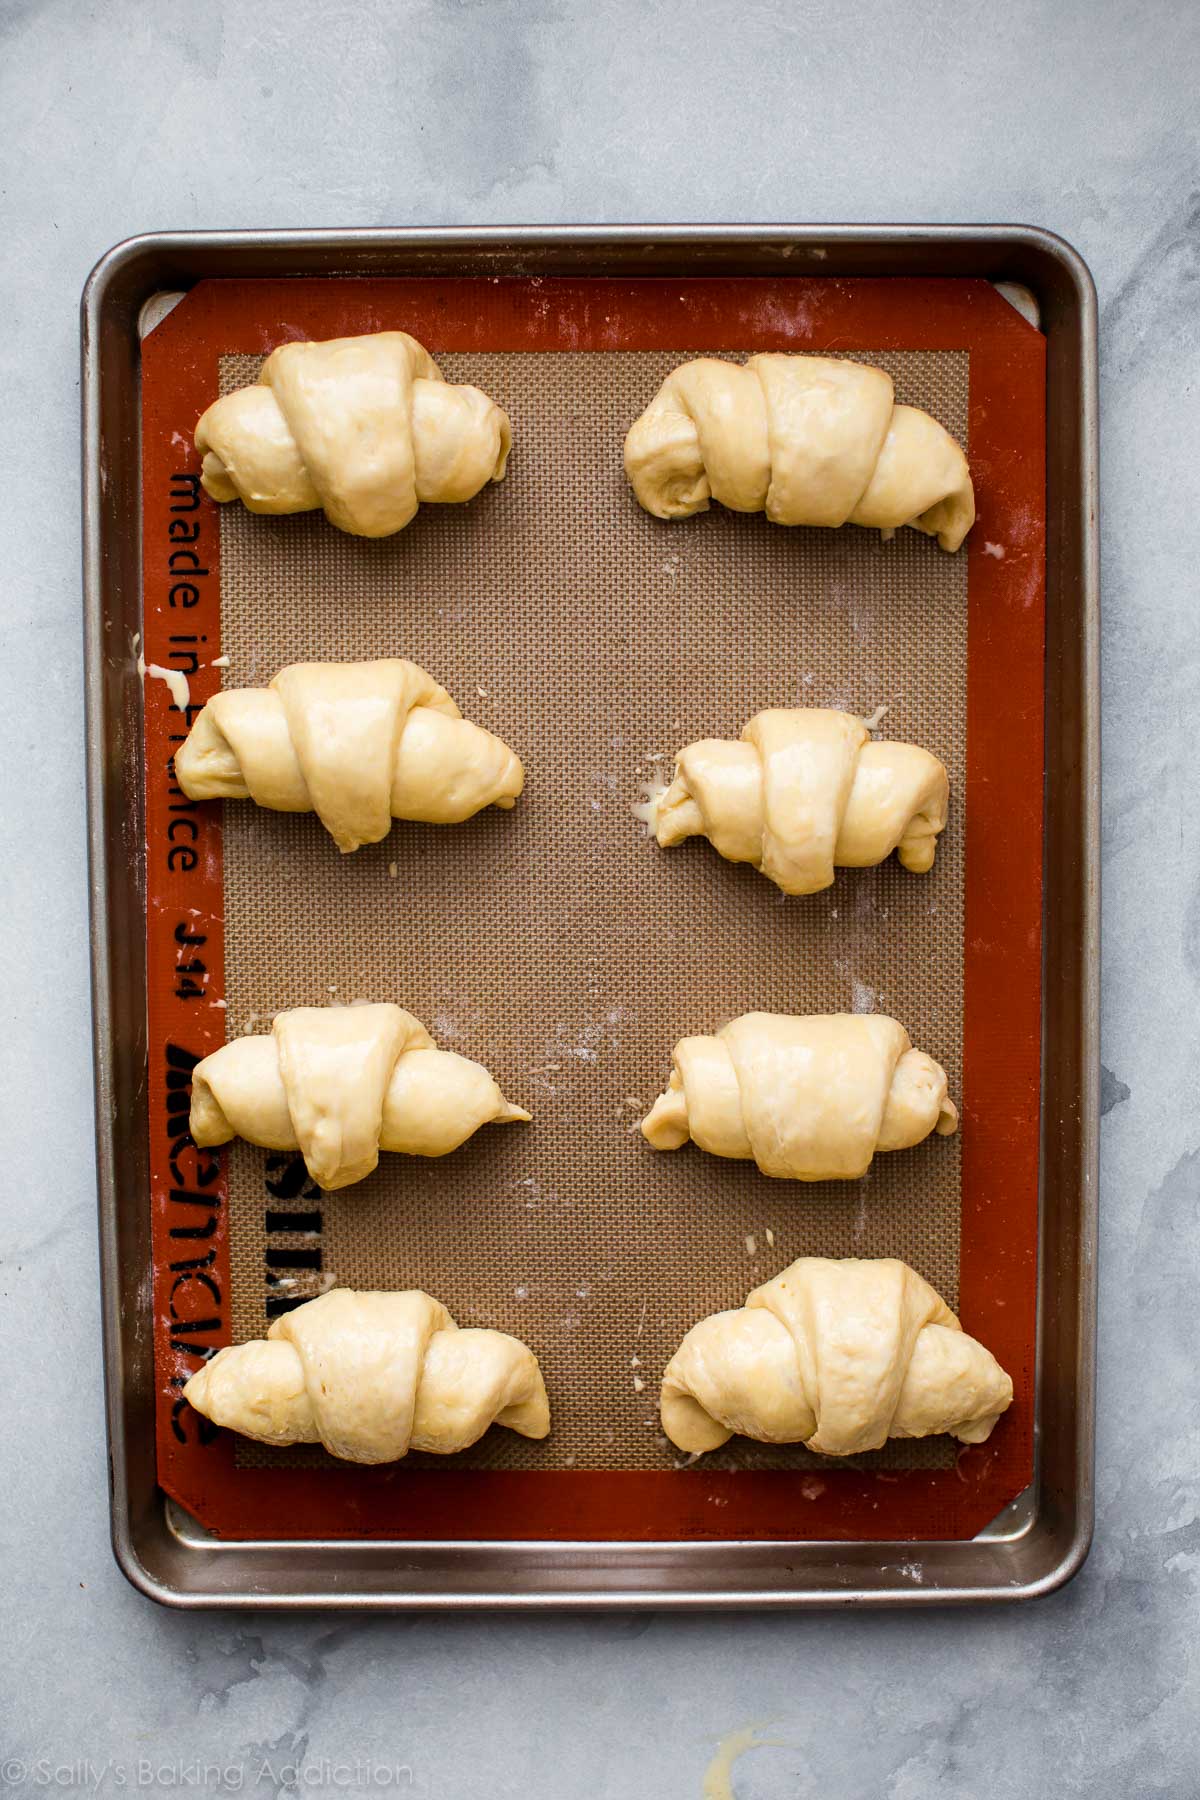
[(1003, 902)]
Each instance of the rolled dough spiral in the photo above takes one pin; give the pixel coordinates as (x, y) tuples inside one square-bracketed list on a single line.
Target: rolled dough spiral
[(838, 1356), (805, 791), (363, 427), (371, 1377), (812, 440), (808, 1099), (340, 1084), (359, 744)]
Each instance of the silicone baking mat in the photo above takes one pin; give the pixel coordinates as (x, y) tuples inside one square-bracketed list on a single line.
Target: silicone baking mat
[(557, 943)]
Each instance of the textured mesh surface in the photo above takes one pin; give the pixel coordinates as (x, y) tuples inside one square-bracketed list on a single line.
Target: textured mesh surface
[(556, 943)]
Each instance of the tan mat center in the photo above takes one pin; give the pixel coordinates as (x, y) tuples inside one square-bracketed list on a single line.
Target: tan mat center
[(556, 943)]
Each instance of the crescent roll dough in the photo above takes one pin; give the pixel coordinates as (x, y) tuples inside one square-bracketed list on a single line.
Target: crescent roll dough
[(808, 1099), (373, 1376), (839, 1356), (342, 1083), (359, 744), (813, 440), (363, 427), (806, 790)]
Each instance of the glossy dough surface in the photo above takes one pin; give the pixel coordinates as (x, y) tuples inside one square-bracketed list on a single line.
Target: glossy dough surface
[(364, 427), (808, 1099), (371, 1377), (805, 791), (810, 440), (359, 744), (838, 1356), (340, 1084)]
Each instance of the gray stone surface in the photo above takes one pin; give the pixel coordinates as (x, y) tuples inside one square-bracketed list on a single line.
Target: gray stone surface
[(118, 117)]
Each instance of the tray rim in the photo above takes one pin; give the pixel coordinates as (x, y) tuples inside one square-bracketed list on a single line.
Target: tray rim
[(152, 1545)]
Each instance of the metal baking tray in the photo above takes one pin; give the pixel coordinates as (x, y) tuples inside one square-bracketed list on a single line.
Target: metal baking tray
[(1043, 1537)]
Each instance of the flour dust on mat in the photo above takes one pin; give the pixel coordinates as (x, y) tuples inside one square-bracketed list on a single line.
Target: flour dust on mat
[(556, 943)]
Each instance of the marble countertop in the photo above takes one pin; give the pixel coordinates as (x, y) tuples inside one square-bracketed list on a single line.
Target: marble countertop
[(121, 117)]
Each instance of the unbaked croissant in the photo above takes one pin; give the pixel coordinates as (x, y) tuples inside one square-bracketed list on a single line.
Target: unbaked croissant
[(359, 744), (371, 1377), (364, 427), (814, 440), (806, 790), (808, 1099), (342, 1083), (838, 1356)]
